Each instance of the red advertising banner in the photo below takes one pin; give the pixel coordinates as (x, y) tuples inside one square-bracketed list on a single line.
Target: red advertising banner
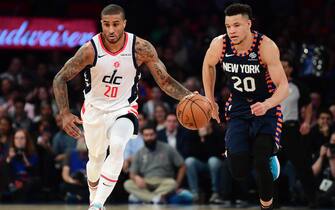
[(45, 33)]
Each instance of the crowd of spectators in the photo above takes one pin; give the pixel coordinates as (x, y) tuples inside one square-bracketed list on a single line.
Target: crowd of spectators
[(40, 160)]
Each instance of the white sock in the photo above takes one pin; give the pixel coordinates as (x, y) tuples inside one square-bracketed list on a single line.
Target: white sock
[(119, 135)]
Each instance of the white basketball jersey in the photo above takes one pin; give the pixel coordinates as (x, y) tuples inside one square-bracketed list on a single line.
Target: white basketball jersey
[(111, 83)]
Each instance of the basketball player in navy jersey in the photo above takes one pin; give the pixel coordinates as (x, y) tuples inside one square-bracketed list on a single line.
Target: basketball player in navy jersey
[(109, 113), (258, 84)]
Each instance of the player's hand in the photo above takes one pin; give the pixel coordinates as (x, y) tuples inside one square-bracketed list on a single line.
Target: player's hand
[(139, 181), (259, 108), (305, 128), (69, 122), (215, 111)]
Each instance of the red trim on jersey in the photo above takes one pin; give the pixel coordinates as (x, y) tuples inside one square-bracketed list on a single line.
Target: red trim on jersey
[(83, 108), (108, 179), (117, 52), (133, 112)]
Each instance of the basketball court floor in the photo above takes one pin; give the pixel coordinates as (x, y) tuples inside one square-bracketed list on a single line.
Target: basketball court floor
[(131, 207)]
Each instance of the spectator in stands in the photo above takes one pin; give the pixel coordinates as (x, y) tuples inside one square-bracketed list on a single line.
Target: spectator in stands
[(19, 115), (149, 106), (6, 134), (172, 134), (62, 143), (193, 84), (204, 155), (14, 71), (45, 153), (160, 116), (316, 104), (74, 185), (320, 133), (21, 167), (152, 172), (45, 114), (6, 91), (332, 110), (324, 171)]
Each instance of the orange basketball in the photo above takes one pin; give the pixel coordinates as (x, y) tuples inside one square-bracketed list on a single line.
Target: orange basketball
[(194, 111)]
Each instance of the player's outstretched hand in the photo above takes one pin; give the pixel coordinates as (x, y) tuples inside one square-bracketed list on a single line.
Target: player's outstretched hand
[(69, 124), (215, 111)]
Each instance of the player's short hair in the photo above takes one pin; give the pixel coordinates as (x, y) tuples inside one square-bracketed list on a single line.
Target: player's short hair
[(237, 8), (113, 9)]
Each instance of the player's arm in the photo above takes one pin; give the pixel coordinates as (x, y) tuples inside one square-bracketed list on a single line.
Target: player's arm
[(212, 57), (83, 57), (146, 53), (270, 57)]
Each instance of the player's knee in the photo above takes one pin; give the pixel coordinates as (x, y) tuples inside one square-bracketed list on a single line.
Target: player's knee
[(96, 159), (117, 145), (239, 165)]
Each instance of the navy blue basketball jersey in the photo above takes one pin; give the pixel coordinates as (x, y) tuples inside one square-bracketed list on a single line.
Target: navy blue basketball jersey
[(247, 75), (248, 78)]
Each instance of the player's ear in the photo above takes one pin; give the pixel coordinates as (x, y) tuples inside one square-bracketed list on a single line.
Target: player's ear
[(249, 23), (124, 23)]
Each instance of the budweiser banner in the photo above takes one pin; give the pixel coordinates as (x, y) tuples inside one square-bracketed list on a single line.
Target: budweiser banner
[(44, 33)]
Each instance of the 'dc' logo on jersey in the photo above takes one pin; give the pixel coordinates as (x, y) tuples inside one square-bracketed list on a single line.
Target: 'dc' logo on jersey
[(117, 64)]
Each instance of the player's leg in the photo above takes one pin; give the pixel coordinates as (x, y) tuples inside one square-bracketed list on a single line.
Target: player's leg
[(118, 134), (93, 168), (262, 151), (97, 146), (237, 145)]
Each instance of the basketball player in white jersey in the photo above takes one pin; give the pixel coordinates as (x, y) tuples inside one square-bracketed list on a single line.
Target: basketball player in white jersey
[(109, 113)]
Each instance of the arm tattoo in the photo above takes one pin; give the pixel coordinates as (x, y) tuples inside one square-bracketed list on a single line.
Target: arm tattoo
[(147, 54), (167, 83), (71, 68)]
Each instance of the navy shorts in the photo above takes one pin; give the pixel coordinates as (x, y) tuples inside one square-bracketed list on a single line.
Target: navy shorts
[(241, 132)]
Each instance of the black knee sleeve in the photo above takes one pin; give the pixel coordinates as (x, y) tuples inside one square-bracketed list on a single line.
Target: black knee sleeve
[(239, 165), (262, 151)]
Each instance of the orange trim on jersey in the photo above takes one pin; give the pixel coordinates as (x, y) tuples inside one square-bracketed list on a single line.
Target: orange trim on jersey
[(223, 48), (254, 40), (117, 52), (259, 52)]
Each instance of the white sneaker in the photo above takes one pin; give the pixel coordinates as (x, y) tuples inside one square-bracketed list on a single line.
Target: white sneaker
[(96, 206)]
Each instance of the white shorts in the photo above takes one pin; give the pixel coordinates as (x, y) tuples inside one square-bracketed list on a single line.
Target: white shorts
[(96, 123)]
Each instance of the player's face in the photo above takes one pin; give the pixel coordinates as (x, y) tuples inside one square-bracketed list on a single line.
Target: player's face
[(238, 27), (287, 68), (113, 27)]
